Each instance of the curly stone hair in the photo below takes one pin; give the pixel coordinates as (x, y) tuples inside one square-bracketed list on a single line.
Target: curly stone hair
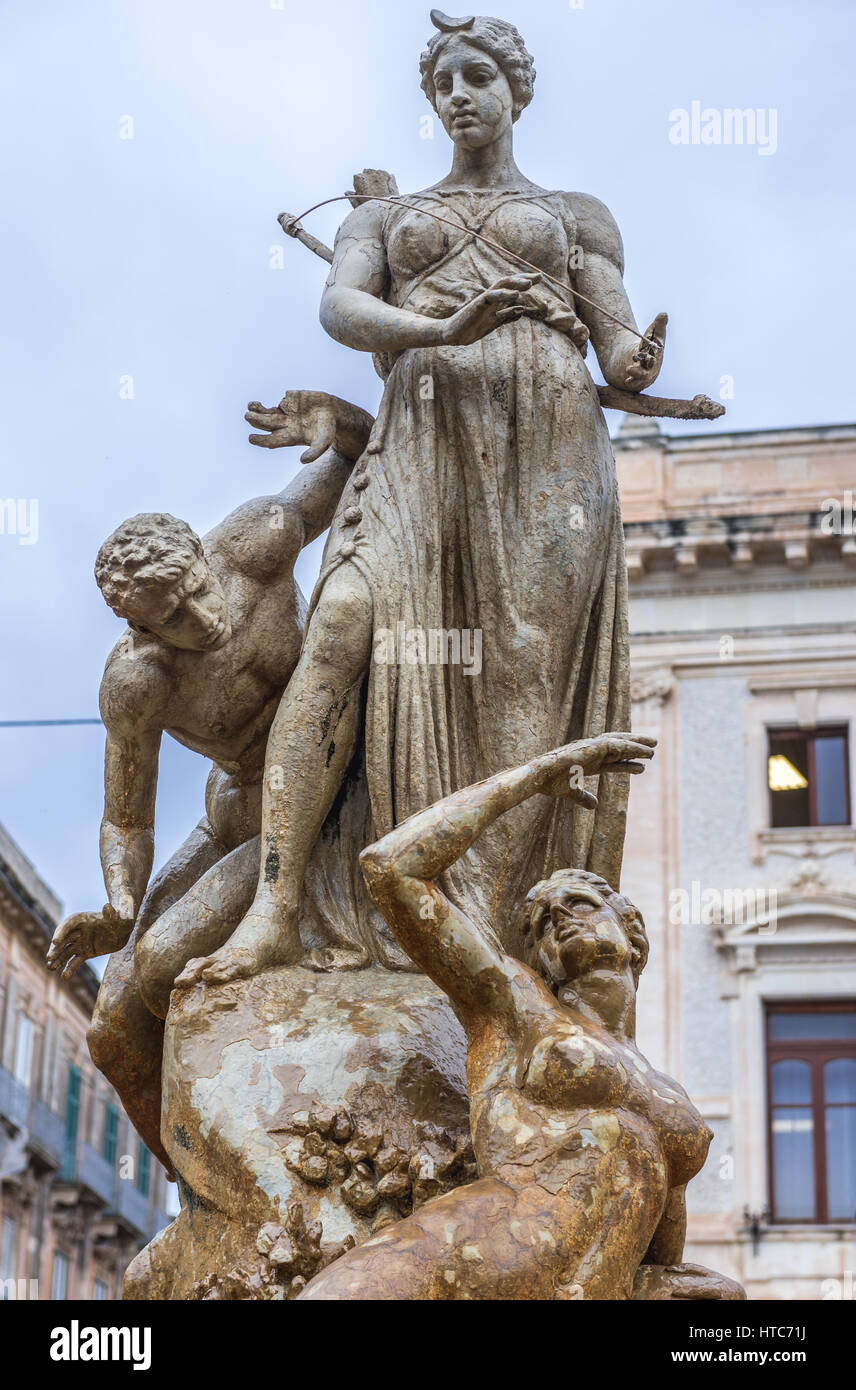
[(148, 551), (535, 910), (504, 45)]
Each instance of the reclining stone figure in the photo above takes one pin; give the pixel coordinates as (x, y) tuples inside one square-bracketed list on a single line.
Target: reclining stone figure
[(584, 1150)]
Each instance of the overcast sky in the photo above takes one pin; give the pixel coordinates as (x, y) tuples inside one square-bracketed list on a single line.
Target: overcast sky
[(151, 258)]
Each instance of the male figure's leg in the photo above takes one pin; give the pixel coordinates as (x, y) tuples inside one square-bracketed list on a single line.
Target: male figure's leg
[(310, 745), (197, 925), (125, 1038)]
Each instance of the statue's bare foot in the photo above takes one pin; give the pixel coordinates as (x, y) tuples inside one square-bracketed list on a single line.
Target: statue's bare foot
[(258, 943), (192, 972)]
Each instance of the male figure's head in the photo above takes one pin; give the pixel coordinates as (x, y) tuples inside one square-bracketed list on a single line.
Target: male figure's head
[(153, 572), (588, 943)]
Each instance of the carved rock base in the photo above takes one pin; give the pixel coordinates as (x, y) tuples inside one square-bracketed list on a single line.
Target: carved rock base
[(303, 1112)]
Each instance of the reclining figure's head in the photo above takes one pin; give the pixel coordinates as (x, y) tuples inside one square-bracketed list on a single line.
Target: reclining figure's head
[(573, 923), (153, 572)]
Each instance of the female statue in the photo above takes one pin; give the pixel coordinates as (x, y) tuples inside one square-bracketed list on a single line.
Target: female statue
[(583, 1149), (485, 510)]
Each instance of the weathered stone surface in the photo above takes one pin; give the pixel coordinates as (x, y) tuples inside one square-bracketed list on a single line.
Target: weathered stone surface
[(297, 1098)]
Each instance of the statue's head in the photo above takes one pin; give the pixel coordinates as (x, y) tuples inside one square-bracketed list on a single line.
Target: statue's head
[(573, 923), (153, 573), (478, 76)]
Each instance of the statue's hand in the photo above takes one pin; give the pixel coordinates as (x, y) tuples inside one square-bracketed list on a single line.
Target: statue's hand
[(312, 418), (501, 303), (563, 770), (88, 934), (642, 367)]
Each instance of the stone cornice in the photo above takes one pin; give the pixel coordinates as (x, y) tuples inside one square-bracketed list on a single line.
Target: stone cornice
[(708, 548), (24, 915)]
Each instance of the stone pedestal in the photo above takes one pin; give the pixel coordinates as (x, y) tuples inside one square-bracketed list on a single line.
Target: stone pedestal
[(303, 1112)]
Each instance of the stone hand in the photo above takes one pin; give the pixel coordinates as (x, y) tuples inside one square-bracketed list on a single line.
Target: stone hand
[(312, 418), (642, 367), (89, 934), (563, 770), (502, 303)]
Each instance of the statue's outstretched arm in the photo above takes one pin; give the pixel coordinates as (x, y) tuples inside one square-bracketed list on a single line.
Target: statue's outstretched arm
[(400, 869), (335, 433), (267, 532)]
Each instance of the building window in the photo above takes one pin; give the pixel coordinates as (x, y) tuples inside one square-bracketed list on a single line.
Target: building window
[(23, 1050), (8, 1242), (811, 1064), (59, 1281), (72, 1118), (807, 773), (144, 1168), (99, 1290), (111, 1132)]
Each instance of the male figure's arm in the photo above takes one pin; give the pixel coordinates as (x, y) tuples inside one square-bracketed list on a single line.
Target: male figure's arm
[(130, 710), (401, 869), (128, 825), (667, 1242), (268, 532)]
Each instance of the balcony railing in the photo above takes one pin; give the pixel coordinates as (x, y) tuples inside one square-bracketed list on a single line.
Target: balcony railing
[(78, 1161), (133, 1207), (96, 1173), (47, 1132), (14, 1099)]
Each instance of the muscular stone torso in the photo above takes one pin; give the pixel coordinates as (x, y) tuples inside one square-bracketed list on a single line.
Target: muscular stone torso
[(567, 1085), (221, 703)]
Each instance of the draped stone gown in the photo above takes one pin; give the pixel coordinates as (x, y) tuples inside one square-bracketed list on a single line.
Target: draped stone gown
[(486, 503)]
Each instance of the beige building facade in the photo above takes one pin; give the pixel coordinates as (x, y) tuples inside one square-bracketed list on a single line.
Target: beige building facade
[(80, 1193), (741, 849)]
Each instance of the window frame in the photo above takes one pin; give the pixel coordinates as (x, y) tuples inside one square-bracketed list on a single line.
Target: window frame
[(144, 1169), (790, 731), (73, 1106), (817, 1052), (25, 1041), (8, 1247), (61, 1262), (110, 1135)]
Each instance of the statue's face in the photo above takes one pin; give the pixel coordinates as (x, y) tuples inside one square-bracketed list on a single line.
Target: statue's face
[(191, 613), (473, 97), (580, 933)]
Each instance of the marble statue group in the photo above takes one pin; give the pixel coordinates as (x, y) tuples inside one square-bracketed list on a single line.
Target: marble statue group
[(377, 1014)]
